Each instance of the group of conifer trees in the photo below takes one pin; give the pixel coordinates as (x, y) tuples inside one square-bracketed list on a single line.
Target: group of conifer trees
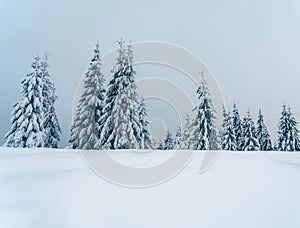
[(113, 115), (34, 120), (239, 134)]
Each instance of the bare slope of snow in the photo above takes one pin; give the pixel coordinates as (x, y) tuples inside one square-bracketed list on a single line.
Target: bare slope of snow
[(55, 188)]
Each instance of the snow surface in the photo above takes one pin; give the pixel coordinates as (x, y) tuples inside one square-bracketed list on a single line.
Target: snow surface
[(55, 188)]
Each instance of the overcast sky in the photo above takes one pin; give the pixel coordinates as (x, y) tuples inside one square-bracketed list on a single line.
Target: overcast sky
[(252, 47)]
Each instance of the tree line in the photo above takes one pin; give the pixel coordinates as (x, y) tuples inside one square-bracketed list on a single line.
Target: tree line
[(242, 134), (113, 115)]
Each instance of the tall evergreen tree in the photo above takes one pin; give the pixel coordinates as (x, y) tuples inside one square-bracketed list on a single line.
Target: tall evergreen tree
[(294, 133), (225, 117), (51, 126), (85, 128), (186, 142), (204, 134), (27, 116), (168, 143), (74, 139), (263, 135), (249, 133), (288, 134), (178, 138), (52, 129), (120, 125), (146, 140), (237, 126), (228, 135)]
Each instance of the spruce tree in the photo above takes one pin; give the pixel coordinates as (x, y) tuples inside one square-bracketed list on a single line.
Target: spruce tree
[(51, 126), (52, 129), (204, 134), (120, 125), (85, 128), (228, 135), (263, 135), (294, 132), (74, 139), (146, 140), (186, 142), (168, 143), (288, 134), (249, 133), (27, 116), (178, 138), (237, 127)]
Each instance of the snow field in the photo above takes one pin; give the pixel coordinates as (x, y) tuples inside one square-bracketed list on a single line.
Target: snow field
[(55, 188)]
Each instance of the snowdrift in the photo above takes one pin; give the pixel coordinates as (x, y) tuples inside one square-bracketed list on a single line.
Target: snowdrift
[(55, 188)]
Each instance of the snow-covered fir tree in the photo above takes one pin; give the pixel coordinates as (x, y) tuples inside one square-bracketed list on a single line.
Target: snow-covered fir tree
[(52, 129), (237, 127), (85, 128), (228, 135), (120, 125), (168, 143), (27, 117), (178, 138), (225, 115), (249, 134), (146, 140), (74, 139), (186, 134), (51, 126), (288, 133), (204, 133), (262, 133)]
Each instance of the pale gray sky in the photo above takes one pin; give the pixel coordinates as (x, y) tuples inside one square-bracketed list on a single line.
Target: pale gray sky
[(252, 47)]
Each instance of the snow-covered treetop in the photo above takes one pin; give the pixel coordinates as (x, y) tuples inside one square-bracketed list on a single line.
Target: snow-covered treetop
[(96, 53), (202, 90)]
